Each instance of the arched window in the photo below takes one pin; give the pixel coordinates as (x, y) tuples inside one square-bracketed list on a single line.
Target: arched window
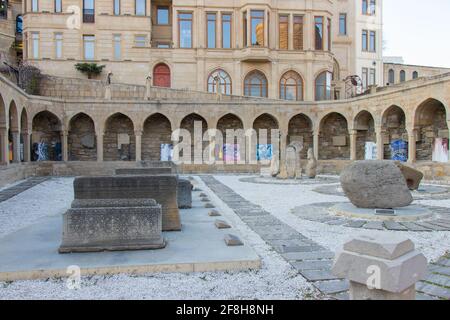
[(415, 75), (391, 76), (323, 86), (402, 76), (291, 86), (222, 78), (19, 24), (161, 76), (255, 84)]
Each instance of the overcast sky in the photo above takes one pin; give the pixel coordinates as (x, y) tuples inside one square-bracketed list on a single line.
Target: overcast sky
[(418, 30)]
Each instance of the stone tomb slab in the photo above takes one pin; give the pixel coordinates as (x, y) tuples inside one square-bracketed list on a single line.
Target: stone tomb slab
[(32, 252)]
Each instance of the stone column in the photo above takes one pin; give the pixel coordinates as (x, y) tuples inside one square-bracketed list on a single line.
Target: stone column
[(65, 146), (353, 136), (108, 92), (99, 136), (26, 146), (248, 31), (16, 147), (148, 87), (4, 144), (380, 267), (283, 142), (380, 144), (448, 127), (411, 145), (291, 33), (138, 136), (316, 144), (266, 29)]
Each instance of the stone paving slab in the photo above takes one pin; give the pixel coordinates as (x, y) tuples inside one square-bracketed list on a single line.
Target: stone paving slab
[(313, 261), (13, 191)]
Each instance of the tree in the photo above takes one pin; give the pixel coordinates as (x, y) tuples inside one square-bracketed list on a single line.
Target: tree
[(91, 69)]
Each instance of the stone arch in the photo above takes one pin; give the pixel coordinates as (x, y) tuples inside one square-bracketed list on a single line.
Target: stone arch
[(46, 137), (300, 129), (228, 122), (364, 125), (81, 139), (157, 130), (334, 139), (393, 125), (291, 86), (119, 140), (268, 122), (13, 133), (225, 82), (430, 121), (189, 123), (256, 84)]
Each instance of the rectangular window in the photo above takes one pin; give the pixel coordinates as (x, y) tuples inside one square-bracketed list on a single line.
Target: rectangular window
[(298, 32), (34, 5), (283, 32), (343, 24), (89, 47), (162, 16), (211, 30), (364, 78), (140, 7), (185, 30), (58, 45), (140, 41), (372, 77), (244, 29), (318, 27), (117, 44), (364, 6), (226, 31), (329, 34), (35, 44), (58, 6), (88, 11), (257, 27), (372, 44), (364, 40), (372, 7), (116, 7)]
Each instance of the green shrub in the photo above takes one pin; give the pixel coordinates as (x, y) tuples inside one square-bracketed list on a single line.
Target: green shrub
[(91, 69)]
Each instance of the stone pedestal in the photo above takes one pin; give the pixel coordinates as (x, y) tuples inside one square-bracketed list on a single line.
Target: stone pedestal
[(162, 188), (112, 225), (184, 194), (380, 267)]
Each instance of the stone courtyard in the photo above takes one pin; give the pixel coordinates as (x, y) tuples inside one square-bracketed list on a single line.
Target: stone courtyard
[(295, 251)]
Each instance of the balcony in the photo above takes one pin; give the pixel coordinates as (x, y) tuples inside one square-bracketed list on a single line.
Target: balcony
[(255, 54)]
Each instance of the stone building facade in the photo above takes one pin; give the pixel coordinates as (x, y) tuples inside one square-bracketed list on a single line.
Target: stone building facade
[(290, 49), (10, 30), (399, 72), (89, 120)]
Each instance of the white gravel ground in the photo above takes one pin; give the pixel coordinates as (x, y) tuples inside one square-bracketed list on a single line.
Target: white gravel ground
[(276, 280), (279, 199)]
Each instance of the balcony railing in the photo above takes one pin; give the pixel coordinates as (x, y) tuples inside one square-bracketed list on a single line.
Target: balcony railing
[(88, 15)]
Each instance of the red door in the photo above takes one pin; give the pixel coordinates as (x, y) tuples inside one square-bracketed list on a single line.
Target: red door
[(161, 76)]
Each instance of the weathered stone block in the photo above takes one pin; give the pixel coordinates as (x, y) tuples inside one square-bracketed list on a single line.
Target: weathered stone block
[(220, 224), (339, 141), (214, 213), (162, 188), (375, 184), (412, 176), (111, 225), (184, 194), (232, 240)]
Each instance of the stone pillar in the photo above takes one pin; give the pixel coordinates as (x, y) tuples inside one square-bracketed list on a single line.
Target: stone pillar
[(380, 267), (138, 135), (148, 87), (283, 142), (4, 144), (16, 147), (411, 145), (108, 92), (65, 146), (380, 144), (316, 144), (291, 33), (353, 136), (26, 146), (99, 136), (248, 31)]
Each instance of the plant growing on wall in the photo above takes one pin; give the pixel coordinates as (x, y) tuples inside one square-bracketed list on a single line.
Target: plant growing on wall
[(91, 69), (29, 78)]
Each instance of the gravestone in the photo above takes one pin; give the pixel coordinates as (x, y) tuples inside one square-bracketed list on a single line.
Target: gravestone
[(184, 194), (105, 224), (291, 162), (161, 188), (311, 166)]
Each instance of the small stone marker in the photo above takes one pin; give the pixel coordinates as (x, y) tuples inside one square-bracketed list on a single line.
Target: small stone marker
[(196, 189), (380, 267), (232, 240), (209, 205), (220, 224), (184, 194), (203, 194), (205, 200), (214, 213)]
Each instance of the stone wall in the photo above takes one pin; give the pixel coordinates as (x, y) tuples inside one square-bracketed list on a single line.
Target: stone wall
[(157, 130), (334, 138), (117, 125), (300, 127), (188, 123), (82, 142), (428, 133), (47, 129), (267, 122), (394, 125)]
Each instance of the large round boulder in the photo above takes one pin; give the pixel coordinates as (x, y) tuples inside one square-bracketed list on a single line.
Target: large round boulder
[(375, 184)]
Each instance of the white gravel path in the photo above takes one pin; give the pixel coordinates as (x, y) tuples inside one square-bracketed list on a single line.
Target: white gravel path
[(280, 199), (276, 280)]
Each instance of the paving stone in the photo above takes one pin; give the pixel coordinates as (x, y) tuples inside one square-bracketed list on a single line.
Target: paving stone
[(434, 290), (392, 225), (214, 213), (440, 224), (444, 261), (421, 296), (291, 242), (232, 240), (315, 255), (440, 280), (316, 275), (430, 226), (439, 269), (342, 296), (356, 223), (374, 225), (312, 264), (414, 227), (220, 224), (337, 222), (333, 286)]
